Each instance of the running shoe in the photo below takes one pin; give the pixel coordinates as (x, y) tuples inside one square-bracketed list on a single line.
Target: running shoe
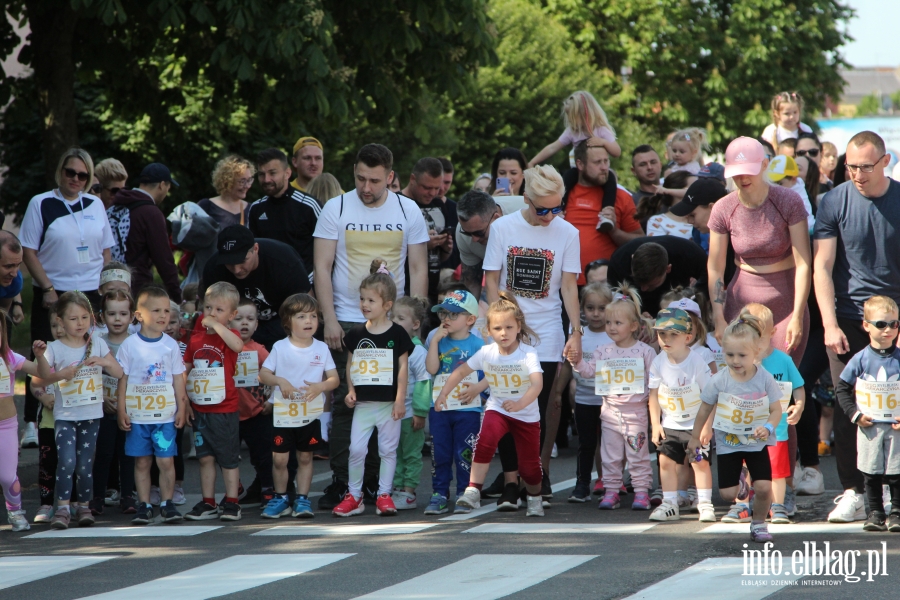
[(334, 494), (850, 507), (778, 514), (169, 513), (509, 500), (738, 513), (61, 518), (143, 516), (128, 505), (893, 522), (790, 502), (496, 489), (535, 507), (667, 511), (349, 506), (44, 514), (641, 501), (278, 507), (178, 498), (581, 493), (404, 500), (707, 512), (302, 508), (231, 511), (437, 505), (759, 532), (598, 488), (17, 519), (384, 506), (154, 495), (471, 498), (610, 501), (811, 483), (875, 522), (112, 497), (84, 516), (202, 511)]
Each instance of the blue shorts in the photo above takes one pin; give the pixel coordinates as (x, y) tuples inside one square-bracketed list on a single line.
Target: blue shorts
[(156, 439)]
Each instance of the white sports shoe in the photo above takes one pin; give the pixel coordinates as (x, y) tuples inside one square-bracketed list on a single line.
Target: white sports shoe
[(666, 512), (535, 506), (707, 512), (18, 521), (178, 495), (471, 498), (850, 507), (811, 483), (886, 498), (404, 500), (29, 436)]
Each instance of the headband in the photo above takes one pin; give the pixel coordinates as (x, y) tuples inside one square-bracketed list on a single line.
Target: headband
[(115, 275)]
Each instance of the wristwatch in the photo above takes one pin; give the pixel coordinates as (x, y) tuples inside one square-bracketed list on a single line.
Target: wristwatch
[(579, 329)]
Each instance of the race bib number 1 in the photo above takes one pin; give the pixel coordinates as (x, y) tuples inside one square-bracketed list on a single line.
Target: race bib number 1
[(453, 402), (740, 416), (247, 369), (153, 402), (507, 381), (293, 412), (878, 399), (680, 403), (372, 366), (6, 384), (83, 389), (206, 386), (619, 376)]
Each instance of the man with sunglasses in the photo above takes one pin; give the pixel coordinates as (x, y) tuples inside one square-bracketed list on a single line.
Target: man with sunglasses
[(139, 230), (856, 256)]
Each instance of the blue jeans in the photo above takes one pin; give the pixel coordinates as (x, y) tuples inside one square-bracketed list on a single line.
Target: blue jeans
[(453, 437)]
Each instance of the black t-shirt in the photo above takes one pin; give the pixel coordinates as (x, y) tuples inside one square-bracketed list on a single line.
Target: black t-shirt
[(280, 274), (396, 341), (688, 261), (441, 217), (290, 219)]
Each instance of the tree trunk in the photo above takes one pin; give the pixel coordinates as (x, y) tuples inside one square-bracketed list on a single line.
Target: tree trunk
[(52, 35)]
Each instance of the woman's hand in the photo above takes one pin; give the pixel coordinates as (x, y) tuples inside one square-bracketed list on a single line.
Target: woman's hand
[(793, 334), (720, 329)]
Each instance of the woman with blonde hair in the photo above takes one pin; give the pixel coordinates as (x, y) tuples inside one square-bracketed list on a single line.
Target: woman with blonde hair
[(232, 178), (324, 187)]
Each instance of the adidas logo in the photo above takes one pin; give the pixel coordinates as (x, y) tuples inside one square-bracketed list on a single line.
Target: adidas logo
[(263, 217), (313, 441), (740, 157)]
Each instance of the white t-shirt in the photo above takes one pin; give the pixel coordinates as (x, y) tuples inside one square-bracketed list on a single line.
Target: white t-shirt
[(471, 253), (690, 370), (61, 356), (299, 364), (783, 134), (364, 234), (56, 233), (584, 387), (665, 225), (800, 188), (531, 261), (704, 352), (417, 372), (150, 362), (525, 355)]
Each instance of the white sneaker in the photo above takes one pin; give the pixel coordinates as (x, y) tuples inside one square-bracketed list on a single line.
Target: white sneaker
[(555, 452), (178, 495), (886, 498), (404, 500), (112, 498), (154, 495), (29, 436), (535, 507), (666, 512), (18, 521), (44, 514), (811, 483), (707, 512), (688, 504), (471, 498), (850, 507)]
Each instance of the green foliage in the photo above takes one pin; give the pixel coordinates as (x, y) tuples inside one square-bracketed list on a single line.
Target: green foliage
[(869, 105)]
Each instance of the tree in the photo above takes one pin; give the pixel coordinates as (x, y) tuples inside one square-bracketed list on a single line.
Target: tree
[(869, 105)]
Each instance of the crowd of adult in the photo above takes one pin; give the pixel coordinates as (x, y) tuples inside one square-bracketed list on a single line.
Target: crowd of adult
[(532, 233)]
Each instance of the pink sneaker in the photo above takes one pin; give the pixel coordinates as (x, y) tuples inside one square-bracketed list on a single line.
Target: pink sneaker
[(610, 501), (385, 506), (598, 490), (641, 501)]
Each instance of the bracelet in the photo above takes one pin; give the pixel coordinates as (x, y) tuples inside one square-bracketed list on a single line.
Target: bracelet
[(48, 289), (769, 428), (16, 303)]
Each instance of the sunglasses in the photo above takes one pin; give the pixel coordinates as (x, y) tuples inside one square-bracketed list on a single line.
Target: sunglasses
[(544, 211), (95, 189), (481, 232), (73, 174), (812, 152), (115, 190), (884, 324)]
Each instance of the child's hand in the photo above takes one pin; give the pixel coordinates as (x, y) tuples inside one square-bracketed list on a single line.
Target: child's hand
[(399, 410), (268, 408), (657, 435), (48, 400), (287, 390), (511, 406), (90, 361), (39, 347), (793, 413), (467, 393), (180, 418), (312, 391), (419, 423), (124, 422), (706, 434), (188, 414), (68, 373), (440, 333), (761, 433), (350, 399), (865, 421), (208, 322), (441, 402), (109, 405)]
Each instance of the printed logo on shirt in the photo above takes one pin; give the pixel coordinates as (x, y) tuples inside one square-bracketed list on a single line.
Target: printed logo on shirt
[(528, 271), (88, 217), (390, 344), (263, 217), (265, 311), (155, 373), (208, 357), (373, 227)]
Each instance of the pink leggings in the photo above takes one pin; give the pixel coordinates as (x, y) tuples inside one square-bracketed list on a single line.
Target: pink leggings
[(527, 437), (624, 439), (9, 463)]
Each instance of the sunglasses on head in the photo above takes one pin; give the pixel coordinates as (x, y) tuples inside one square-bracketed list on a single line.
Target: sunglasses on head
[(884, 324), (813, 152), (73, 174)]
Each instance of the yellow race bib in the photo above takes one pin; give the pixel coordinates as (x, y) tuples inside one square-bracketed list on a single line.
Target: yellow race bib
[(878, 399), (247, 369), (372, 366), (681, 403), (206, 386), (740, 416), (507, 380)]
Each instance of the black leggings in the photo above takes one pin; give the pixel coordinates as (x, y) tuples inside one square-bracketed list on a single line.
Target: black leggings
[(110, 446), (844, 431), (587, 420), (874, 491), (507, 448), (812, 366)]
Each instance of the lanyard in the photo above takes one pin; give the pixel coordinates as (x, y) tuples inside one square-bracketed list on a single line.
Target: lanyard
[(77, 222)]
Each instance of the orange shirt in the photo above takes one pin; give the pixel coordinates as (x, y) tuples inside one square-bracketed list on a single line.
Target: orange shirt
[(583, 210)]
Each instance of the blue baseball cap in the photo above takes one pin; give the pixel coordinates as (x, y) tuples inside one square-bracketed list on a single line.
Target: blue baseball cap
[(714, 171), (458, 301)]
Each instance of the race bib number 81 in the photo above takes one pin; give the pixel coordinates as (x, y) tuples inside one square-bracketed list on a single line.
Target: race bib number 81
[(372, 366), (247, 369), (619, 376), (293, 412)]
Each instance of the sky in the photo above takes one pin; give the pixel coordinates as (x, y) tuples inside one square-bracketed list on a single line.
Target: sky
[(875, 30)]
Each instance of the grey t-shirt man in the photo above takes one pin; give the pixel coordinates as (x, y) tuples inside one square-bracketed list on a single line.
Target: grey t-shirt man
[(867, 262), (472, 253)]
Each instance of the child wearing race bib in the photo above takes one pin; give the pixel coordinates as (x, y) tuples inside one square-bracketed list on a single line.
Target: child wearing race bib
[(47, 459), (684, 299), (301, 370), (77, 358), (255, 426), (378, 367), (211, 360), (409, 313), (594, 299), (9, 429), (867, 390), (152, 402), (619, 370), (513, 370), (117, 313), (745, 399), (114, 277), (677, 376), (454, 432), (789, 379)]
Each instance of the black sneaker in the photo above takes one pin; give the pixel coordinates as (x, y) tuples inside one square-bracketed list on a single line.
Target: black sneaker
[(231, 511), (128, 505), (893, 522), (96, 505), (143, 516), (509, 499), (546, 491), (334, 493), (267, 495), (251, 499), (370, 492), (875, 522), (169, 513), (496, 489), (202, 511), (581, 493)]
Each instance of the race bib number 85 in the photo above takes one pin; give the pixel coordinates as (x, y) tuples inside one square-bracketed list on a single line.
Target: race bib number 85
[(740, 416)]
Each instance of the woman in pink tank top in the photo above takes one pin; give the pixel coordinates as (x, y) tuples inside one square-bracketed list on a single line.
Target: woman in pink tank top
[(767, 228)]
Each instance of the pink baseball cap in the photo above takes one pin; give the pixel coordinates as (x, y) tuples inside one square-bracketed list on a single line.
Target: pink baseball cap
[(744, 156)]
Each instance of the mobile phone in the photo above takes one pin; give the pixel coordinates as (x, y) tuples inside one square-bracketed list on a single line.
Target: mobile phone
[(503, 184)]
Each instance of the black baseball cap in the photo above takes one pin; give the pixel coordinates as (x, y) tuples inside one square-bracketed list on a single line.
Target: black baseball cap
[(235, 241), (156, 172), (702, 192)]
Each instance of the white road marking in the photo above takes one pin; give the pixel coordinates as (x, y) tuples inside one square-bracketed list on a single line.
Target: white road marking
[(554, 528), (787, 528), (386, 529), (16, 570), (109, 532)]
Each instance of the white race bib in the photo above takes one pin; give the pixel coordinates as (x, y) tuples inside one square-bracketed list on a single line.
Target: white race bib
[(680, 403), (740, 415), (372, 366), (153, 402), (247, 369), (617, 376), (453, 402), (293, 412), (83, 389), (507, 380), (787, 392), (878, 399), (110, 387), (206, 386), (720, 360), (6, 383)]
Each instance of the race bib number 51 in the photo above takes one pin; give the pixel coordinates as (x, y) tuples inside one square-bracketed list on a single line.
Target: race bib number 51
[(740, 416), (619, 376), (372, 366), (680, 403), (83, 389)]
